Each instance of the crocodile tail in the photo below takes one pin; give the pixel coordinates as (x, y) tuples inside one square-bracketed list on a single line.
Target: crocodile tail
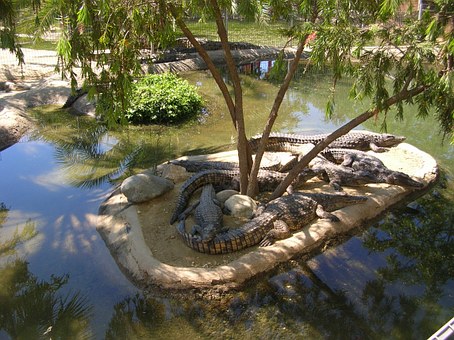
[(182, 202)]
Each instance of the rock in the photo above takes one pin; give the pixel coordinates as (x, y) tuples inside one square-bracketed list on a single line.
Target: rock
[(83, 107), (144, 187), (19, 86), (172, 172), (241, 206), (4, 86), (224, 195)]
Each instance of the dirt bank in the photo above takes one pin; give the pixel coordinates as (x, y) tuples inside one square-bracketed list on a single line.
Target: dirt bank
[(46, 87)]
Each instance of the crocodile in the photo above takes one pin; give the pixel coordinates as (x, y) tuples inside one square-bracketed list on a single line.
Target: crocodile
[(229, 179), (208, 215), (360, 171), (360, 140), (197, 166), (351, 157), (276, 221), (339, 175)]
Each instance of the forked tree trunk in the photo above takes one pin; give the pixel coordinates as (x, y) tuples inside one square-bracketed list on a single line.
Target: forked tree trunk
[(206, 58), (244, 154), (253, 185)]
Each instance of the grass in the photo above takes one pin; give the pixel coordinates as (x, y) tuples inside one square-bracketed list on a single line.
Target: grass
[(40, 44), (268, 34)]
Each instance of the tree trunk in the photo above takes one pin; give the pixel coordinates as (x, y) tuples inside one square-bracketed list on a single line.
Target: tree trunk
[(253, 185), (244, 155), (206, 58)]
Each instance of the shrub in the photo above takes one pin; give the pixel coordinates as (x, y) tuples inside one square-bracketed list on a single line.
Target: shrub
[(163, 99)]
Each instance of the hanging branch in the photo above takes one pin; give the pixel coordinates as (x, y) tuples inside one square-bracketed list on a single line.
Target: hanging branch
[(402, 95)]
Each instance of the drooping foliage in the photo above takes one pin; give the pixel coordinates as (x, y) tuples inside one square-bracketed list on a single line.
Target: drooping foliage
[(387, 57)]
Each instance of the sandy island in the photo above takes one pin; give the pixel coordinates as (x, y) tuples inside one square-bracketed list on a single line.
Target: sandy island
[(151, 253)]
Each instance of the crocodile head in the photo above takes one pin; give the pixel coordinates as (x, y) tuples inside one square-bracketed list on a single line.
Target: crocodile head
[(387, 139), (209, 232), (400, 178)]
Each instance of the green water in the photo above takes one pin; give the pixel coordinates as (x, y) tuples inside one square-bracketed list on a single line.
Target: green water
[(394, 279)]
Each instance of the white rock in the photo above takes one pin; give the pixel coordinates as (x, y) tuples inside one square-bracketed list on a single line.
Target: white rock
[(241, 206), (224, 195), (144, 187), (82, 106), (172, 172)]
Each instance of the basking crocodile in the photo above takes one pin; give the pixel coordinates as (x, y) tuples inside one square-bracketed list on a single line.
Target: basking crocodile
[(351, 157), (197, 166), (223, 179), (339, 175), (360, 171), (360, 140), (208, 215), (277, 219)]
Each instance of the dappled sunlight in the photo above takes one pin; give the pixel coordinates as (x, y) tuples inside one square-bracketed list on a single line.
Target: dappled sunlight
[(75, 235), (31, 149), (68, 244), (17, 218)]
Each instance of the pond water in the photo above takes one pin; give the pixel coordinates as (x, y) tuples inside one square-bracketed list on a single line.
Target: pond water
[(393, 279)]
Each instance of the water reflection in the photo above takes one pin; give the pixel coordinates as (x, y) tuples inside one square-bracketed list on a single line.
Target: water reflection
[(423, 244), (31, 308), (89, 155), (396, 280)]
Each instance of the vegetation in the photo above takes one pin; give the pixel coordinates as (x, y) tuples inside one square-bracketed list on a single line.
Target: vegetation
[(390, 74), (163, 98), (257, 33)]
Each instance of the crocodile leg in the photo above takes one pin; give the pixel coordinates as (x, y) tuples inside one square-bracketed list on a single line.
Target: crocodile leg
[(374, 147), (322, 213), (280, 231), (187, 211)]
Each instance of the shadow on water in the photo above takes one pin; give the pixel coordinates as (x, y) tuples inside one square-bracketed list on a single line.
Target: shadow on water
[(392, 280), (31, 308)]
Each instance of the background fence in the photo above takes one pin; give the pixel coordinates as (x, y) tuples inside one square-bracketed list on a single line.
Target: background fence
[(42, 54)]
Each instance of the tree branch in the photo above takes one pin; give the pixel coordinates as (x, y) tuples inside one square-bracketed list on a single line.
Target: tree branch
[(253, 185), (404, 94), (206, 58), (244, 153)]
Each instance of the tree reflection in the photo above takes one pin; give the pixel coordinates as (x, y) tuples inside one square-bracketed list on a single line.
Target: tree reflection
[(90, 156), (135, 318), (422, 244), (34, 309)]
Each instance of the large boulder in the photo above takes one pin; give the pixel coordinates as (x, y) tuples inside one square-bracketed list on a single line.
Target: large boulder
[(241, 206), (172, 172), (224, 195), (145, 186), (83, 107)]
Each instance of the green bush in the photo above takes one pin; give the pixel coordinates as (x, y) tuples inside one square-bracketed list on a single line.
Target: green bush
[(163, 99)]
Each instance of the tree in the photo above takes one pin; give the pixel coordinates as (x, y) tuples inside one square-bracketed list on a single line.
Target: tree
[(393, 72), (8, 20)]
